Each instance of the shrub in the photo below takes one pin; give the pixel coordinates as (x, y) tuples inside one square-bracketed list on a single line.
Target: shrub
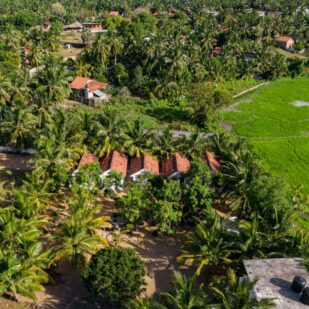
[(116, 274)]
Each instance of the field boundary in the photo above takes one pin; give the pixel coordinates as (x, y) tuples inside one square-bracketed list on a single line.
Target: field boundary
[(249, 90)]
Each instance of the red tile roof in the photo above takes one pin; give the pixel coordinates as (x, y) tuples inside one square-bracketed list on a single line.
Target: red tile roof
[(114, 13), (217, 50), (115, 161), (88, 158), (211, 160), (283, 39), (176, 163), (144, 162), (81, 82)]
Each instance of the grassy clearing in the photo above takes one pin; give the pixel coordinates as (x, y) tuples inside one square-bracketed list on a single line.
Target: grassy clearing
[(278, 131)]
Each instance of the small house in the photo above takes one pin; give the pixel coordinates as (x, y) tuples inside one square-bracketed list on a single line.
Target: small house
[(114, 13), (174, 166), (92, 26), (114, 161), (88, 91), (285, 42), (142, 165), (88, 158), (77, 26), (216, 51)]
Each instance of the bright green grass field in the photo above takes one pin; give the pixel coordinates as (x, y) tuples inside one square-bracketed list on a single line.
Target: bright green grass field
[(278, 131)]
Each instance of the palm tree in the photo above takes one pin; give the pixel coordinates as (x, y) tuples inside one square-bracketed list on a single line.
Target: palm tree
[(54, 81), (83, 69), (185, 294), (137, 139), (144, 303), (21, 127), (206, 246)]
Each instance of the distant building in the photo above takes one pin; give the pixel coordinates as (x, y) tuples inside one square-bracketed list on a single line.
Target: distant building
[(92, 26), (88, 91), (142, 165), (75, 26), (88, 158), (216, 51), (174, 166), (212, 161), (114, 13), (285, 42)]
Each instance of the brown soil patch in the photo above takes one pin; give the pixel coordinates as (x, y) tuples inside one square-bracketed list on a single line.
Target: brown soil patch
[(19, 162)]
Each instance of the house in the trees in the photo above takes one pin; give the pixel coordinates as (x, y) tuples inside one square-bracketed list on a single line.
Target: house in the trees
[(174, 166), (114, 161), (114, 13), (216, 51), (88, 91), (142, 165), (88, 158), (285, 42), (77, 26), (211, 160)]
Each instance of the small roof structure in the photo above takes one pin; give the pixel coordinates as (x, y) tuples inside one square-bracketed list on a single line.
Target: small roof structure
[(175, 164), (115, 161), (217, 50), (275, 277), (83, 82), (88, 158), (283, 39), (75, 26), (114, 13), (212, 161), (144, 162)]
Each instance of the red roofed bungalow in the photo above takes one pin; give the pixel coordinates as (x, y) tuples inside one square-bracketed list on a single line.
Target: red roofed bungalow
[(88, 90), (114, 161), (88, 158), (285, 42), (174, 166), (212, 162), (114, 13), (217, 51), (142, 165)]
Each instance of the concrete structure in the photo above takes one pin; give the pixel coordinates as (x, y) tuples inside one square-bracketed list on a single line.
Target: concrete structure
[(275, 277), (285, 42)]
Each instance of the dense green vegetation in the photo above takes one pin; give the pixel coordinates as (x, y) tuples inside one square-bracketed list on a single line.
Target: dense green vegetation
[(163, 73), (277, 129)]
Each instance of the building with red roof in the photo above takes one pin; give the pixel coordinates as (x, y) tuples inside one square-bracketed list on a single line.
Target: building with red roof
[(88, 90), (174, 166), (114, 161), (114, 13), (212, 161), (142, 165), (217, 51), (285, 42), (88, 158)]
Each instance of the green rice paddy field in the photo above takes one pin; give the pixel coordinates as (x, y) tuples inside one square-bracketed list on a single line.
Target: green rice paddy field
[(277, 129)]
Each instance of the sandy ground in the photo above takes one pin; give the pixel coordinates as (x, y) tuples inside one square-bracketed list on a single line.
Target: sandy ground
[(158, 252), (18, 162)]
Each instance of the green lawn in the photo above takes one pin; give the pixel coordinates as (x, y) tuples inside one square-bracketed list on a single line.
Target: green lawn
[(278, 131)]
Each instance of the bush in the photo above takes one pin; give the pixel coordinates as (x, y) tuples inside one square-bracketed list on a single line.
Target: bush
[(116, 274)]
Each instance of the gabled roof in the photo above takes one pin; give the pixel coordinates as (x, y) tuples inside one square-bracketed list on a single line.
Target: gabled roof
[(114, 13), (76, 25), (88, 158), (211, 160), (174, 164), (283, 38), (115, 161), (83, 82), (147, 162)]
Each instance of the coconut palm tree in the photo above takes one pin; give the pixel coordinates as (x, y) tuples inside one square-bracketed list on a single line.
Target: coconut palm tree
[(206, 246), (184, 294)]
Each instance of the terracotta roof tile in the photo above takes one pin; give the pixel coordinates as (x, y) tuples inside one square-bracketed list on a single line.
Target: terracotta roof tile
[(114, 13), (115, 161), (283, 38), (211, 160), (88, 158), (81, 82), (176, 163), (144, 162)]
